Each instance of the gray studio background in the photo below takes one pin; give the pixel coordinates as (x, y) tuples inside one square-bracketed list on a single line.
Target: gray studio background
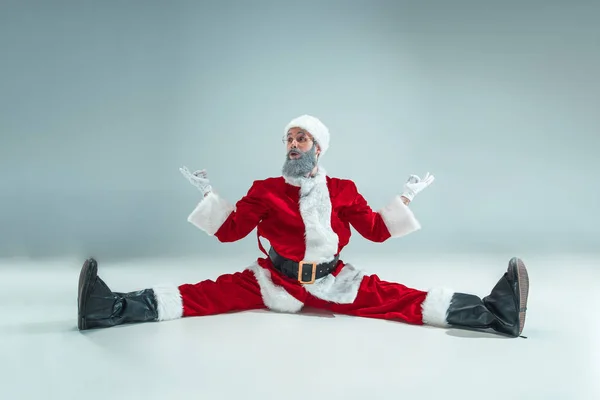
[(102, 102)]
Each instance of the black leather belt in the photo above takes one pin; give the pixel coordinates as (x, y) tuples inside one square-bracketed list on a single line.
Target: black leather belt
[(304, 272)]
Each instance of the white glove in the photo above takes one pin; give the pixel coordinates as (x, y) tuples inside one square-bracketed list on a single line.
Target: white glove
[(414, 185), (198, 179)]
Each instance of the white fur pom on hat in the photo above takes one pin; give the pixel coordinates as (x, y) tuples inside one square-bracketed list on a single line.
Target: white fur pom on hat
[(314, 126)]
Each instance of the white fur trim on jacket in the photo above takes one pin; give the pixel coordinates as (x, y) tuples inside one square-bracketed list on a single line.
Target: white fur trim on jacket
[(398, 218), (435, 307), (210, 213), (274, 296), (315, 208), (169, 302), (341, 289)]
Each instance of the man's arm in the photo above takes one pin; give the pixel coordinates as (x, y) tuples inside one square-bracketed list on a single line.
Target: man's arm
[(228, 223), (393, 220)]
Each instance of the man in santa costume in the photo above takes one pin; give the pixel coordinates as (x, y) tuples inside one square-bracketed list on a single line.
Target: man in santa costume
[(306, 217)]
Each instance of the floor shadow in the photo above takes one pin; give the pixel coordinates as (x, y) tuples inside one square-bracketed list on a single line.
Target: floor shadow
[(306, 311), (475, 334), (317, 312)]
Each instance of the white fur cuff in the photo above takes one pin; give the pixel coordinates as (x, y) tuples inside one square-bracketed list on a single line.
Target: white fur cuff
[(169, 302), (399, 219), (210, 213), (435, 307)]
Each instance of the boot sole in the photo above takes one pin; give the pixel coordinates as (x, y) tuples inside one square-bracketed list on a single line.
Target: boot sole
[(523, 279), (87, 277)]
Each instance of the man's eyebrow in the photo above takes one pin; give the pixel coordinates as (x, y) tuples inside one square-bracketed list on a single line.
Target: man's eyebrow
[(300, 131)]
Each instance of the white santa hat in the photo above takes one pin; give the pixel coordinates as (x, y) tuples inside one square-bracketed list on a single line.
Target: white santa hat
[(313, 126)]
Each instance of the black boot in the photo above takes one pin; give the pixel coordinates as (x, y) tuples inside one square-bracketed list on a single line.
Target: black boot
[(503, 310), (99, 307)]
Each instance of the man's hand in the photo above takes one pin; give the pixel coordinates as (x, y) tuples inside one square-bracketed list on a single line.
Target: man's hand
[(198, 179), (414, 185)]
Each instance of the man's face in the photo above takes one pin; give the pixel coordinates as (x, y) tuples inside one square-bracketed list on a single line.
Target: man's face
[(301, 155), (298, 141)]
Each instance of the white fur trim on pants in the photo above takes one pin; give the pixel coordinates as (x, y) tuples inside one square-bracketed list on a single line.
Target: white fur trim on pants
[(398, 218), (275, 297), (210, 213), (435, 307), (169, 302), (341, 289)]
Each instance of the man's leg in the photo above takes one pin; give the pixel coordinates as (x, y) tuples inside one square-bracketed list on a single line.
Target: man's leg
[(379, 299), (503, 310), (100, 307), (229, 292)]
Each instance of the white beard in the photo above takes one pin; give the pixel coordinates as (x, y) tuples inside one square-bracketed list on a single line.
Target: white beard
[(302, 166)]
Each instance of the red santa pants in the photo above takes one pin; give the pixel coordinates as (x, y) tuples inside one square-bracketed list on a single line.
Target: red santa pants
[(241, 291)]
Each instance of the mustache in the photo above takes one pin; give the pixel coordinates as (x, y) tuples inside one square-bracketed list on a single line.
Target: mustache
[(294, 151)]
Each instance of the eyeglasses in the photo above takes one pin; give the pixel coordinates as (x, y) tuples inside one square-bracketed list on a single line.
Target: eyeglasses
[(301, 139)]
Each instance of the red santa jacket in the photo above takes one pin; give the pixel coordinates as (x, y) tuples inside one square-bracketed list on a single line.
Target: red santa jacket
[(304, 219)]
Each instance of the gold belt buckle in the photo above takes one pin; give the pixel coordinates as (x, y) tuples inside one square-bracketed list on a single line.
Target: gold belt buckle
[(314, 272)]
